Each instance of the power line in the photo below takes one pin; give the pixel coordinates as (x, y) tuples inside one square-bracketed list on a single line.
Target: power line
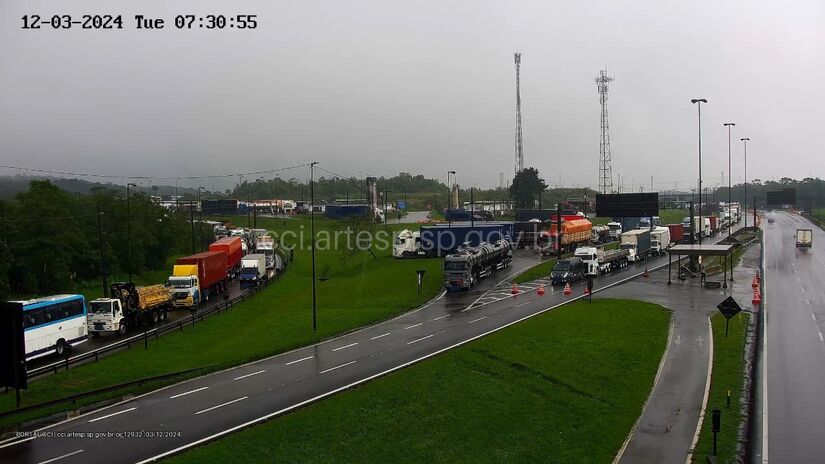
[(105, 176)]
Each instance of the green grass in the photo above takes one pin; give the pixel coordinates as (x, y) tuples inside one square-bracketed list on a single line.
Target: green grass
[(360, 290), (565, 386), (728, 375), (668, 216), (536, 272)]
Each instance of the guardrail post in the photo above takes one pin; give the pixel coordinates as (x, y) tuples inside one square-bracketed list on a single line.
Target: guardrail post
[(146, 339), (95, 355), (67, 362)]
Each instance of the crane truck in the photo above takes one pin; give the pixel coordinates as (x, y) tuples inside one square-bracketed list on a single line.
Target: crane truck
[(466, 266), (127, 306)]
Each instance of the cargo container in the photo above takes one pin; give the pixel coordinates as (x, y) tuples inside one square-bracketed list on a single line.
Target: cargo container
[(714, 224), (196, 278), (524, 215), (637, 243), (441, 240), (526, 233), (659, 240), (253, 269), (573, 233), (232, 247), (345, 211), (219, 207), (804, 238), (677, 232)]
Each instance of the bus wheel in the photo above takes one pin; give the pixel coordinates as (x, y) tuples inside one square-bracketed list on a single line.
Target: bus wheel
[(61, 347)]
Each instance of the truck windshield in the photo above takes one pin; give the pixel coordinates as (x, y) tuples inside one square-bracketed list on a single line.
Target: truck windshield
[(561, 266), (454, 265), (101, 307), (399, 240), (613, 226), (180, 282), (627, 246)]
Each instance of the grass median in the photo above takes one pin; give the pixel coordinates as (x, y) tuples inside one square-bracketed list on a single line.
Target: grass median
[(360, 289), (564, 386), (728, 375)]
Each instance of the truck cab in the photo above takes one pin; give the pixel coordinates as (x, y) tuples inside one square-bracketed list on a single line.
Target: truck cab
[(615, 230), (407, 243), (106, 315), (185, 286), (590, 258), (568, 270)]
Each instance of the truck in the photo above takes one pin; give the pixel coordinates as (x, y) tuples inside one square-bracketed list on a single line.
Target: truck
[(600, 233), (233, 249), (691, 234), (443, 239), (637, 244), (253, 269), (128, 306), (568, 270), (644, 222), (197, 277), (345, 211), (615, 230), (677, 232), (467, 265), (599, 261), (573, 233), (407, 244), (715, 224), (265, 245), (804, 238), (659, 241)]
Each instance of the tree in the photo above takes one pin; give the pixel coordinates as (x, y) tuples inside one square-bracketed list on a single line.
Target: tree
[(526, 186)]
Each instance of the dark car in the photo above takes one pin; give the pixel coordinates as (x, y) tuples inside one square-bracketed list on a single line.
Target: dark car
[(770, 220), (568, 270)]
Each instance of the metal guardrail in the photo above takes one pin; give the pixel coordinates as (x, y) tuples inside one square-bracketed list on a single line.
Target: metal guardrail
[(145, 336)]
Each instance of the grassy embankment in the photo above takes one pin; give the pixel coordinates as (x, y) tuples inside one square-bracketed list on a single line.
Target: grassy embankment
[(360, 290), (564, 386), (728, 375)]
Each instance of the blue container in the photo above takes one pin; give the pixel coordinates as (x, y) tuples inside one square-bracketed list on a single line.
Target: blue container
[(343, 211), (441, 240)]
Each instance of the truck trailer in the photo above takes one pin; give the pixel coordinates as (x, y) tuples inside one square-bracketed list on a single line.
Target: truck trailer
[(573, 233), (677, 232), (804, 238), (128, 306), (599, 261), (443, 239), (197, 277), (253, 269), (464, 268), (233, 250), (637, 244), (659, 240)]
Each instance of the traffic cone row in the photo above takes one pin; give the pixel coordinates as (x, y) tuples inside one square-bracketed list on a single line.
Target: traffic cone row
[(757, 296), (567, 289)]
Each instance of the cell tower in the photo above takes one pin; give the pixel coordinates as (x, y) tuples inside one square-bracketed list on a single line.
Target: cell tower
[(519, 143), (605, 167)]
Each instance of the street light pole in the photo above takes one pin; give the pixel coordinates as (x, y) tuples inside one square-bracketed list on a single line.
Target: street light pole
[(699, 102), (745, 205), (312, 232), (729, 125), (129, 228), (200, 217), (450, 191)]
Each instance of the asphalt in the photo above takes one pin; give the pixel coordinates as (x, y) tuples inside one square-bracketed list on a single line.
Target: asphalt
[(201, 409), (795, 350), (411, 217)]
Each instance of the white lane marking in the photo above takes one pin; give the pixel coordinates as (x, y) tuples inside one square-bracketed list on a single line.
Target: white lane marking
[(345, 347), (803, 288), (187, 393), (812, 314), (476, 320), (820, 337), (299, 360), (705, 398), (521, 304), (337, 367), (250, 375), (266, 417), (441, 317), (380, 336), (413, 326), (222, 405), (808, 301), (110, 415), (419, 339), (47, 461)]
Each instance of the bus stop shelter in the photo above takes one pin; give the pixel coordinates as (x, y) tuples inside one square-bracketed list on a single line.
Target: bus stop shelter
[(695, 251)]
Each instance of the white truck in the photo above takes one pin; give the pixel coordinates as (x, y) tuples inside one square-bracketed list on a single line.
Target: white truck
[(804, 238), (253, 269), (615, 230), (407, 244), (600, 261), (659, 240), (127, 307), (701, 228), (265, 245), (637, 244)]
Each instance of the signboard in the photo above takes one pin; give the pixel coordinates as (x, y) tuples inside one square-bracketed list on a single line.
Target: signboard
[(12, 346), (729, 307), (627, 205), (782, 197), (401, 204)]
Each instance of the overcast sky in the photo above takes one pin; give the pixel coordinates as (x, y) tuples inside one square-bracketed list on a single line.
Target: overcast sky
[(381, 87)]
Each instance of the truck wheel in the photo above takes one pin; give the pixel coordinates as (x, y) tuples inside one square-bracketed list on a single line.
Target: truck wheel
[(155, 317), (60, 347), (164, 315), (121, 328)]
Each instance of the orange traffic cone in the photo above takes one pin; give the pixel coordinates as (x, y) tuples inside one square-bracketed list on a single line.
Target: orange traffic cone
[(514, 290), (586, 291), (757, 298), (758, 277), (541, 290), (755, 283), (567, 289)]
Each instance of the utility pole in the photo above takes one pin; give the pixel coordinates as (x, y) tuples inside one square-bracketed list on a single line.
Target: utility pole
[(192, 223), (200, 218), (100, 248), (605, 163), (128, 229), (312, 231), (745, 141), (519, 141), (698, 102), (729, 125)]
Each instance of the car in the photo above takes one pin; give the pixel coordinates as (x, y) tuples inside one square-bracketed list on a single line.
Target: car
[(567, 271), (770, 220)]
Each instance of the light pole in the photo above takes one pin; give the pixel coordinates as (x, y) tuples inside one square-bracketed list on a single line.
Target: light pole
[(729, 125), (129, 228), (312, 232), (449, 190), (200, 217), (745, 141), (699, 102)]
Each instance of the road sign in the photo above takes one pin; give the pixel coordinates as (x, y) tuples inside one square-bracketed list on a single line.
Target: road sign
[(729, 307), (401, 204), (420, 273)]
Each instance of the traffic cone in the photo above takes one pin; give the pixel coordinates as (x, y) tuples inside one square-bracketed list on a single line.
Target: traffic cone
[(755, 283), (567, 289), (514, 290), (541, 290), (646, 273), (758, 277), (757, 298), (586, 291)]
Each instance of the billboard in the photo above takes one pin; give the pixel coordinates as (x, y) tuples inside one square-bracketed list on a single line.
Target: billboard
[(627, 204), (782, 197)]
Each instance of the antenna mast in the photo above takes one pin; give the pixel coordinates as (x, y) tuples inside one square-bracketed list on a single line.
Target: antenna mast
[(605, 166)]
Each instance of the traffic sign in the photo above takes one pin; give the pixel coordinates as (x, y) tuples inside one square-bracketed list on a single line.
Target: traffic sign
[(729, 307)]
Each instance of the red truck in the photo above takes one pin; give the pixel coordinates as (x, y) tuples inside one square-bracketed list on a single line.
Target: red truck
[(677, 231), (714, 224), (233, 251), (197, 277)]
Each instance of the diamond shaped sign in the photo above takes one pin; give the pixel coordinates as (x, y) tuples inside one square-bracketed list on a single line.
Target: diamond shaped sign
[(729, 307)]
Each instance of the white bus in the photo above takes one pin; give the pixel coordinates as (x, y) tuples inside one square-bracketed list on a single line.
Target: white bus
[(53, 324)]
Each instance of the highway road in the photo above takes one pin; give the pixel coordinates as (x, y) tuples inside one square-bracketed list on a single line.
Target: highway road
[(795, 325), (189, 413)]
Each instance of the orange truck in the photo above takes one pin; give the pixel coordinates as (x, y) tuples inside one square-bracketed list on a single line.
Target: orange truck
[(574, 232)]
